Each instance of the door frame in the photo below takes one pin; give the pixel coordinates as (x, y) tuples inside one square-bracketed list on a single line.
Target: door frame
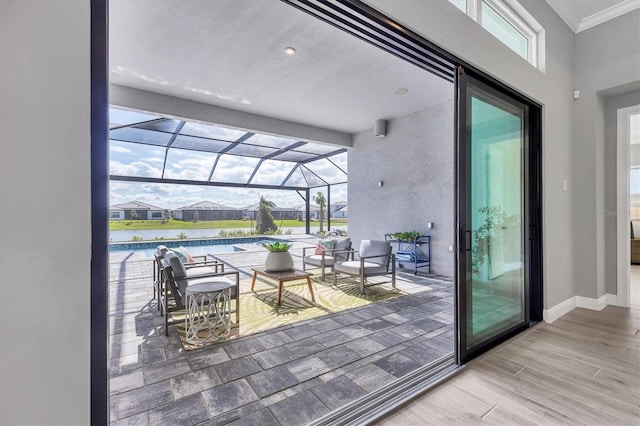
[(352, 16), (532, 211), (623, 200)]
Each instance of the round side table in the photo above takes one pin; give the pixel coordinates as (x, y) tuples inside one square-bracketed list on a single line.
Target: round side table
[(208, 306)]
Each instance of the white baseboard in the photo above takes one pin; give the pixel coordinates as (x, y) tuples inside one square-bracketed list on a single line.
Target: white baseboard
[(552, 314), (615, 300), (593, 304)]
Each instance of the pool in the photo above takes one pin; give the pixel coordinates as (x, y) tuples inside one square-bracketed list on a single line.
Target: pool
[(195, 247)]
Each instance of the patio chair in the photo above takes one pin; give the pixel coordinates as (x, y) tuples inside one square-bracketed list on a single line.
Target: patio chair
[(326, 258), (375, 258), (194, 269), (179, 275)]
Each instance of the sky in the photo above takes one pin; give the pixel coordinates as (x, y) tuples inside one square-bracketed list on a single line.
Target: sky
[(176, 196), (147, 159)]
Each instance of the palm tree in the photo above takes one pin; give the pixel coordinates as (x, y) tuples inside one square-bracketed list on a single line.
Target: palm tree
[(264, 221), (322, 203)]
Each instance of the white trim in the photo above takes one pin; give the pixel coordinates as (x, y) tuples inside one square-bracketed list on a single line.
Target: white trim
[(614, 300), (607, 14), (552, 314), (564, 11), (623, 254), (557, 311), (521, 20), (593, 304)]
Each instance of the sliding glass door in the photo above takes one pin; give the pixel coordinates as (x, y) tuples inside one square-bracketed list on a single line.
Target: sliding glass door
[(493, 181)]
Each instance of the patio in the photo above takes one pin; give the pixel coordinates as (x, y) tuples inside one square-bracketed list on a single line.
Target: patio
[(288, 375)]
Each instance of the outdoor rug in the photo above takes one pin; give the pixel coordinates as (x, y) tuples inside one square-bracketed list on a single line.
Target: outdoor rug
[(259, 310)]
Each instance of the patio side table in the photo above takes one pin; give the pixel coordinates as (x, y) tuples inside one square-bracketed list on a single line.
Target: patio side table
[(208, 316)]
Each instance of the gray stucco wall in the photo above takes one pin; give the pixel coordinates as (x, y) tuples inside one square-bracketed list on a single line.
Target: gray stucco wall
[(606, 58), (603, 57), (443, 24), (610, 150), (415, 163)]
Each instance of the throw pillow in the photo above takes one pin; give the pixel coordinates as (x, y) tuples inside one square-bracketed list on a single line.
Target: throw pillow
[(324, 245), (183, 254)]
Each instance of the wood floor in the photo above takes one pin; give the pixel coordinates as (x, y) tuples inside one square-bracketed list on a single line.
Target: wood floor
[(582, 369)]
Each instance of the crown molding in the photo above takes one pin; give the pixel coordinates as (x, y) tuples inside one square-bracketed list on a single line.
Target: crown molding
[(608, 14), (565, 11)]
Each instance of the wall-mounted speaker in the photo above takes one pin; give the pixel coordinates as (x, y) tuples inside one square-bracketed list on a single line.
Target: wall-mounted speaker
[(380, 129)]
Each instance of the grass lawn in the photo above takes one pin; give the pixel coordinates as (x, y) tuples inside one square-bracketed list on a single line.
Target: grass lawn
[(134, 225)]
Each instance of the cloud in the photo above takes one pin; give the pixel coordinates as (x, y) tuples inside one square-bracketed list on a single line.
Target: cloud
[(137, 168), (121, 149)]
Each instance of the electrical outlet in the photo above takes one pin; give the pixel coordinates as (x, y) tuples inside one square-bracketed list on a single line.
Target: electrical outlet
[(429, 225), (565, 185), (450, 247)]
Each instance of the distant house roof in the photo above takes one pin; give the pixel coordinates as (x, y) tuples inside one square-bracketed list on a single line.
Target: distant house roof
[(342, 209), (255, 208), (206, 205), (134, 205), (303, 207)]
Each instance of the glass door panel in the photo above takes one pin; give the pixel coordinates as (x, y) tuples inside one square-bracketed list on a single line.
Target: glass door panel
[(491, 214), (497, 273)]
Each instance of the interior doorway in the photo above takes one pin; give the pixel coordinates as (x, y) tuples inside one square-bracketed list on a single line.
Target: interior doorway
[(627, 183)]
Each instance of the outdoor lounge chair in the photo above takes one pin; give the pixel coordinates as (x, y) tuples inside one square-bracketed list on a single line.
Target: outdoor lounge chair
[(374, 258), (194, 269), (179, 276), (326, 258)]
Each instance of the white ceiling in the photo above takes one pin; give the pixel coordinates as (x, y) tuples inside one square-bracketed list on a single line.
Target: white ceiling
[(220, 53), (583, 14)]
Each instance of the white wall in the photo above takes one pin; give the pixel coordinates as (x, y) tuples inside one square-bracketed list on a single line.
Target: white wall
[(415, 163), (445, 25), (44, 259)]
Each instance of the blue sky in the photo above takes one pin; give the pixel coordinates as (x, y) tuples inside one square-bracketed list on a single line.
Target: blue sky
[(129, 159), (188, 159)]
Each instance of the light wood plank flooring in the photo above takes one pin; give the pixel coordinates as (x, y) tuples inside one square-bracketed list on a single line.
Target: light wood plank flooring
[(582, 369)]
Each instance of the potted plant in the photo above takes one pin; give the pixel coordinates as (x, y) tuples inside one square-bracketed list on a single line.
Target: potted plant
[(408, 236), (279, 258)]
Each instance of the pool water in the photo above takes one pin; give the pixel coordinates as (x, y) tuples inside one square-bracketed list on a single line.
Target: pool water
[(147, 249)]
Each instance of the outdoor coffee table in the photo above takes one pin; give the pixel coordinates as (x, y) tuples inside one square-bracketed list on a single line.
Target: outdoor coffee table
[(283, 277)]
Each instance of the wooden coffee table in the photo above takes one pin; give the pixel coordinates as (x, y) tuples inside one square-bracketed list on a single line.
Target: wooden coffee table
[(283, 277)]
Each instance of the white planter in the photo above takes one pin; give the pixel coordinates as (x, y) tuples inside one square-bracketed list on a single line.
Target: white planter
[(278, 261)]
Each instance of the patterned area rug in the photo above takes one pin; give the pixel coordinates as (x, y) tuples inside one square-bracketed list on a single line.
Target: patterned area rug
[(259, 310)]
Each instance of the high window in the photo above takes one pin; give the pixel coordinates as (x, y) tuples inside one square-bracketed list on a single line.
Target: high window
[(510, 23)]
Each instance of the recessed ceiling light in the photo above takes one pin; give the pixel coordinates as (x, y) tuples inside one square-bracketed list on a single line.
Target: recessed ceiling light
[(401, 91), (290, 51)]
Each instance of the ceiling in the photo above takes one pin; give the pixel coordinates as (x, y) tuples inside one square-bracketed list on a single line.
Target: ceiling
[(219, 53), (580, 15)]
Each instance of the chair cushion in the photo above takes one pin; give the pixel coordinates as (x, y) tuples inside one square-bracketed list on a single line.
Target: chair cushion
[(324, 245), (177, 270), (316, 259), (162, 250), (352, 267), (201, 270), (341, 245), (212, 280), (183, 254), (374, 248)]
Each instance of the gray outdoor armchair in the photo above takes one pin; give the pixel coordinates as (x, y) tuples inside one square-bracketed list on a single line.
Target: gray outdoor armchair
[(342, 248), (375, 258), (178, 276)]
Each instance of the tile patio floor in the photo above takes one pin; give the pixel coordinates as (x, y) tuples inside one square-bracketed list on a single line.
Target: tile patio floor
[(286, 376)]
